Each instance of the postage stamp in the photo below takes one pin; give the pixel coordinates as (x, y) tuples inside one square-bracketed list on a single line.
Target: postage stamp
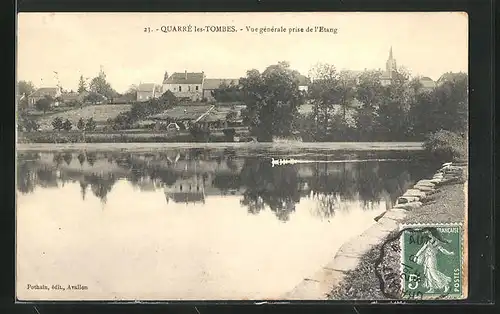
[(431, 261)]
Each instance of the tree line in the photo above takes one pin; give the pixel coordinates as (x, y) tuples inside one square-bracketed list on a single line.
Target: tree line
[(349, 107)]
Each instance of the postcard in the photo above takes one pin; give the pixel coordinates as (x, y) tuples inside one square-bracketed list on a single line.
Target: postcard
[(242, 156)]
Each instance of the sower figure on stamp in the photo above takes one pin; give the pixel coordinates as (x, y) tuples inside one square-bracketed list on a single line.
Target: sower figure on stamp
[(427, 256)]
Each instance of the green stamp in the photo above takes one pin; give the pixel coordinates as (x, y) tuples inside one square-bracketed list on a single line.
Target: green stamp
[(431, 261)]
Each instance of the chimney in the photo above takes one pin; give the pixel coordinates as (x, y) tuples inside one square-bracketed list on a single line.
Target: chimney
[(186, 74)]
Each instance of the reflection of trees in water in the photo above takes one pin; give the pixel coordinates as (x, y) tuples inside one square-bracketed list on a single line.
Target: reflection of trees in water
[(91, 157), (81, 158), (67, 158), (83, 189), (275, 187), (26, 174), (100, 186), (58, 159), (46, 177), (166, 176), (226, 182), (26, 177), (327, 205)]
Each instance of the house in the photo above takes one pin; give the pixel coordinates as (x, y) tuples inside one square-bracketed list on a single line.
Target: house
[(303, 83), (52, 92), (70, 97), (187, 85), (146, 92), (427, 84), (211, 85)]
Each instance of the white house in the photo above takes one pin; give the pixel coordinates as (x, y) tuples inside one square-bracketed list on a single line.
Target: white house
[(185, 85), (146, 91)]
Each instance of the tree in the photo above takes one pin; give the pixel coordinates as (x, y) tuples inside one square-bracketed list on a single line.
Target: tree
[(324, 95), (131, 93), (25, 88), (26, 123), (451, 97), (82, 85), (369, 92), (57, 123), (44, 104), (99, 85), (228, 92), (90, 125), (67, 125), (272, 100), (392, 114), (94, 98), (81, 124)]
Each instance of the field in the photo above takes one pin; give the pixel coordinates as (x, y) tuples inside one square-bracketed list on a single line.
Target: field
[(193, 112), (100, 113)]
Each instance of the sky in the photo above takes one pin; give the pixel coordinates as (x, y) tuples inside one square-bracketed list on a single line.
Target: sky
[(74, 44)]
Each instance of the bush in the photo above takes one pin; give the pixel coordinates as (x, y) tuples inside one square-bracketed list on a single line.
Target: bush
[(198, 133), (57, 123), (67, 125), (90, 125), (81, 124), (229, 134), (446, 146)]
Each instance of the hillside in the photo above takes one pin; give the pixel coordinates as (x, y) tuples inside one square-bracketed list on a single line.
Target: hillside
[(100, 113)]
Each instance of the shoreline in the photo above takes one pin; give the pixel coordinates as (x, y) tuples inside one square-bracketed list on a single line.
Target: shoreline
[(350, 146), (351, 273)]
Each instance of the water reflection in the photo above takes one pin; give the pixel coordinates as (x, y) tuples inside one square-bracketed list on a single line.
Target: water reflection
[(192, 175)]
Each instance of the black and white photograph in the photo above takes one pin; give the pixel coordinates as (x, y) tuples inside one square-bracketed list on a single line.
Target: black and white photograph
[(242, 156)]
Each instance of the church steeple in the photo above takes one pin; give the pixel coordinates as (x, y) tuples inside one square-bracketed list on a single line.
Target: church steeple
[(390, 65)]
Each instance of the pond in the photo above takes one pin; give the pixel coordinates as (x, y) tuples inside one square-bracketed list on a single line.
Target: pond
[(195, 223)]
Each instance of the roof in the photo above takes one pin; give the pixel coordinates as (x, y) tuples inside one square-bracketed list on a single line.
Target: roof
[(70, 96), (303, 80), (185, 197), (214, 116), (44, 91), (146, 87), (185, 78), (215, 83), (427, 82)]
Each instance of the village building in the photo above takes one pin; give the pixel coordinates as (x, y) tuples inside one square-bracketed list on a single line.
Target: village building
[(427, 84), (303, 83), (187, 85), (70, 97), (211, 85), (146, 91), (43, 92)]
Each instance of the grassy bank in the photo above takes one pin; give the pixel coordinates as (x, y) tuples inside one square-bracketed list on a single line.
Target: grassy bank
[(115, 137), (362, 283)]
